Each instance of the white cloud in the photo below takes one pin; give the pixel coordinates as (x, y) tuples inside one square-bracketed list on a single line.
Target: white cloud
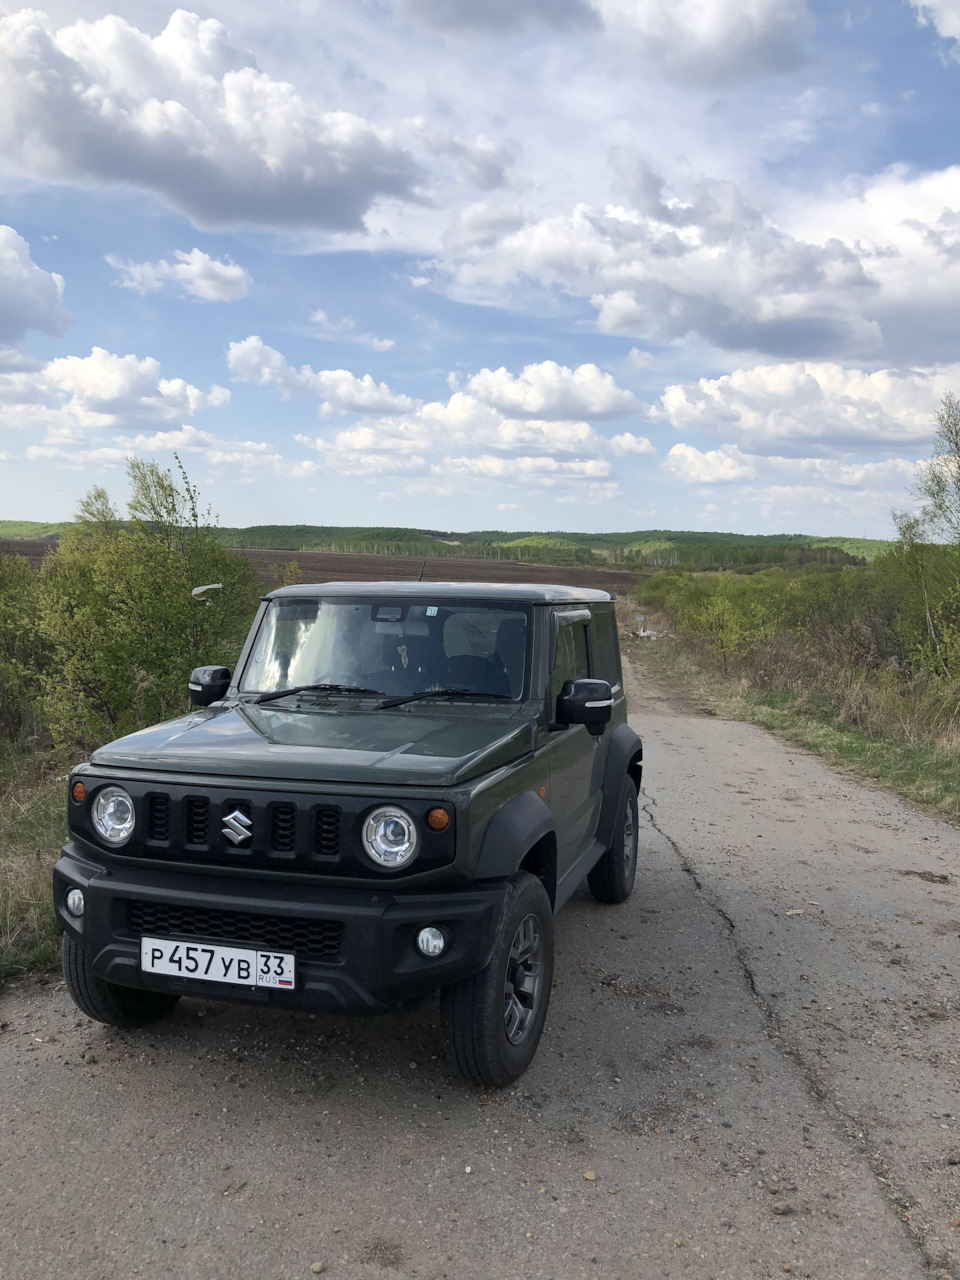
[(76, 459), (189, 117), (891, 473), (904, 228), (628, 445), (813, 405), (867, 271), (344, 325), (523, 470), (944, 15), (195, 272), (482, 162), (551, 390), (74, 395), (343, 329), (640, 359), (339, 390), (716, 466), (664, 266), (30, 298), (713, 42)]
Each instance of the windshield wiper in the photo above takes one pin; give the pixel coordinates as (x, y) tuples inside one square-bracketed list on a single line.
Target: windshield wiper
[(314, 688), (401, 698)]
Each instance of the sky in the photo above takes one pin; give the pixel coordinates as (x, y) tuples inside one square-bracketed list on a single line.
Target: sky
[(463, 264)]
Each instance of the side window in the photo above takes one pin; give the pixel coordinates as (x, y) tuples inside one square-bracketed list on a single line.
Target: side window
[(571, 663), (606, 649)]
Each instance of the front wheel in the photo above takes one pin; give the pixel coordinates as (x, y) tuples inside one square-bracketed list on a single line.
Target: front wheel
[(117, 1006), (492, 1022), (611, 880)]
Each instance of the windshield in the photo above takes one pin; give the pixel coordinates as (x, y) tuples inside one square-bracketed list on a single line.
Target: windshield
[(393, 646)]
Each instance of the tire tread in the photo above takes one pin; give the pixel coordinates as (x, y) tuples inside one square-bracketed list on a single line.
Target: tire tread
[(465, 1007), (123, 1007)]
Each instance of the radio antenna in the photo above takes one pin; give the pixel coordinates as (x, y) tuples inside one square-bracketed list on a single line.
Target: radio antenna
[(422, 567)]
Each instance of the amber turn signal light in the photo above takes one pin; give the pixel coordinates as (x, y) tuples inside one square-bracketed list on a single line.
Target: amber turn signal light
[(438, 819), (79, 792)]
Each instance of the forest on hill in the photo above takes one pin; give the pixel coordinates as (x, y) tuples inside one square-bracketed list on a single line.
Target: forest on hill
[(657, 548)]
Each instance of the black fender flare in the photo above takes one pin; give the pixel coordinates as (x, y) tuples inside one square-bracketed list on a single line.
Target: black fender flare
[(624, 758), (511, 833)]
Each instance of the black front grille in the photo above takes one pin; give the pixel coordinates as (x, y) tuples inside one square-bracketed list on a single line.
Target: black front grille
[(328, 833), (283, 828), (308, 939), (198, 819), (158, 817)]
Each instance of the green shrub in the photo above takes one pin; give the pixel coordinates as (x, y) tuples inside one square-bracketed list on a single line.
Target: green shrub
[(117, 613)]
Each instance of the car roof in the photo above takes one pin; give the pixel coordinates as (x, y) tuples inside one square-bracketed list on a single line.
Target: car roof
[(519, 592)]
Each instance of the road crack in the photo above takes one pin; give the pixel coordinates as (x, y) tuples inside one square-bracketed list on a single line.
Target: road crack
[(847, 1126)]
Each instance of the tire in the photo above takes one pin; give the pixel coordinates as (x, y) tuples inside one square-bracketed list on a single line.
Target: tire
[(125, 1007), (492, 1022), (611, 880)]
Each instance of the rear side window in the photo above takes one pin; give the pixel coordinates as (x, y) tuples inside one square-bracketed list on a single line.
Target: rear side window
[(606, 649), (571, 663)]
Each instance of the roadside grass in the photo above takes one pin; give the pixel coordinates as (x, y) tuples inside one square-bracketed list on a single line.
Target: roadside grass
[(921, 770), (32, 829)]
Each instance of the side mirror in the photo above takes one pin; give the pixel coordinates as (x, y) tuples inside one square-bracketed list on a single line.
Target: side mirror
[(208, 684), (586, 702)]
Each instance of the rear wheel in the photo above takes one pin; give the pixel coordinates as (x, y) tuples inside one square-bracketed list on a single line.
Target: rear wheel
[(107, 1002), (611, 880), (492, 1022)]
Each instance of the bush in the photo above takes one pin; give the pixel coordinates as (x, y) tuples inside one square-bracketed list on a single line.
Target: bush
[(117, 614), (22, 652)]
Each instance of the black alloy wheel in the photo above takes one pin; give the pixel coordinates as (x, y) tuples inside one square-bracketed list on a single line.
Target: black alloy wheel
[(523, 981), (492, 1021)]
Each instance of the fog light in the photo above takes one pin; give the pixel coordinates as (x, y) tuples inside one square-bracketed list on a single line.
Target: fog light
[(431, 942), (74, 902)]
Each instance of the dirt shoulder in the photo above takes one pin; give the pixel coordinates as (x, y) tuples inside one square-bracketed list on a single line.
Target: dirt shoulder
[(749, 1069)]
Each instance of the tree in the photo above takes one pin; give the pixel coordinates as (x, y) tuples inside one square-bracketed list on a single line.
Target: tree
[(935, 569), (938, 481), (117, 611), (21, 653)]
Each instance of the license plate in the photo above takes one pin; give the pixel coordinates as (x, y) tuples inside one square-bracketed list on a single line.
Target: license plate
[(207, 963)]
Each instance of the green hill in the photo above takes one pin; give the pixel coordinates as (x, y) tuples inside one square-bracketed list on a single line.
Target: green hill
[(653, 547)]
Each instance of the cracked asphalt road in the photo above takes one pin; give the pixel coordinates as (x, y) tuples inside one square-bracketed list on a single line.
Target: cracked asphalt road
[(755, 1060)]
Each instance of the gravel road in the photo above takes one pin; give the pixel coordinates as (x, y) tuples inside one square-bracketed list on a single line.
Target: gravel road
[(750, 1069)]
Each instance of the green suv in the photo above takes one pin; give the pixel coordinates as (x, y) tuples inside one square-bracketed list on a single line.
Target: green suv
[(394, 793)]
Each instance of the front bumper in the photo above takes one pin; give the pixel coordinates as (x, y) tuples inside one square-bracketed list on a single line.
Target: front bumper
[(355, 948)]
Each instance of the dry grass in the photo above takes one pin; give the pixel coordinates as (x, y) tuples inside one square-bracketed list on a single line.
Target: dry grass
[(32, 829), (902, 736)]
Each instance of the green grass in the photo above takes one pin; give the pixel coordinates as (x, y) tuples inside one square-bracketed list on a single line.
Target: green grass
[(32, 829), (922, 772), (18, 530)]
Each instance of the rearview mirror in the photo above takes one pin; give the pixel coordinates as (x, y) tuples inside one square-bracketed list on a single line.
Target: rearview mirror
[(586, 702), (208, 684)]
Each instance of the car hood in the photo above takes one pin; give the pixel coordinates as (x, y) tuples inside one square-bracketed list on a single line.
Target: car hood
[(399, 747)]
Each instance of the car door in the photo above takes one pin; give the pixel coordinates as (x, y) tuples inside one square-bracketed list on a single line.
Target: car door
[(573, 754)]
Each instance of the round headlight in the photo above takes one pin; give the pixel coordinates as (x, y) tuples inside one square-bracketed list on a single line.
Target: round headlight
[(113, 816), (390, 837)]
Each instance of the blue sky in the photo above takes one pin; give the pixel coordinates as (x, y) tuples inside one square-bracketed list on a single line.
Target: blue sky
[(587, 264)]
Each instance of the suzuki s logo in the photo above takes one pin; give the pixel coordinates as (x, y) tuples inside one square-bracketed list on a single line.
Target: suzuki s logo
[(236, 826)]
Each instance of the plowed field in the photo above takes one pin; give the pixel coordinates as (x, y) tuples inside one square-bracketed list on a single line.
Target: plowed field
[(343, 566)]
